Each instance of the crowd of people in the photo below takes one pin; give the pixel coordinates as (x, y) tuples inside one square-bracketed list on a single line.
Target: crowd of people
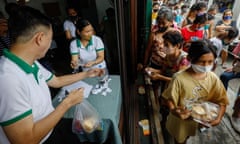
[(185, 46)]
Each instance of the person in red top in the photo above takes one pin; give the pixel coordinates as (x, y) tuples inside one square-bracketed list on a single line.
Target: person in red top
[(194, 31)]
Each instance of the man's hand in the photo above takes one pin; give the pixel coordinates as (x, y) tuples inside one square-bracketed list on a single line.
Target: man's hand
[(75, 96)]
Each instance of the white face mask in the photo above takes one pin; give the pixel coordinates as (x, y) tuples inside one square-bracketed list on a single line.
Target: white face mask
[(201, 69)]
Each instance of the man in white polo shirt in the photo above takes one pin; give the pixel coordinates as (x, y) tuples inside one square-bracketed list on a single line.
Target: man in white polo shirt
[(26, 112)]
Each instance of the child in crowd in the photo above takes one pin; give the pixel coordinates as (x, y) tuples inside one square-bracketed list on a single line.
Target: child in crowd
[(183, 85), (221, 26), (196, 9), (194, 31)]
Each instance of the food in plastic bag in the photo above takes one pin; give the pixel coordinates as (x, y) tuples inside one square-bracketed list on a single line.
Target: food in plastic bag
[(204, 112), (86, 118)]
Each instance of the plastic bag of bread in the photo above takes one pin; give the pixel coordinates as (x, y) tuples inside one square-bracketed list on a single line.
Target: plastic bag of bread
[(204, 112), (86, 118)]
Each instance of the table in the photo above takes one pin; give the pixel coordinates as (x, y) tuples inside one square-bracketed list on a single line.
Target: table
[(108, 107)]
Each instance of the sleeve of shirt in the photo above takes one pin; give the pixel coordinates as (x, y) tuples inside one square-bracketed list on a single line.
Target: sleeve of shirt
[(183, 31), (184, 62), (74, 48), (14, 101), (172, 91), (46, 74), (66, 25), (218, 93), (99, 44)]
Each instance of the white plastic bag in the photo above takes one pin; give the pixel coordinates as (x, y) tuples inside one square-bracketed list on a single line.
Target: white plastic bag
[(86, 118)]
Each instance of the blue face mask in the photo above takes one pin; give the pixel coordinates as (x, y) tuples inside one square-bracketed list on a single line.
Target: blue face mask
[(201, 69), (227, 17)]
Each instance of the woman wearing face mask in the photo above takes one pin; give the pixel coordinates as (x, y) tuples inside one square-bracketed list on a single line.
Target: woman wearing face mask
[(194, 31), (184, 85), (209, 27), (87, 50), (175, 59), (155, 42), (197, 8), (154, 54), (226, 21), (69, 24), (221, 26)]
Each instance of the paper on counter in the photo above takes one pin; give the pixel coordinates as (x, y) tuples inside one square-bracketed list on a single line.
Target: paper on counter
[(79, 84)]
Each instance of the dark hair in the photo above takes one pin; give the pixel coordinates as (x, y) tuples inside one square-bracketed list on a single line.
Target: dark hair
[(227, 10), (213, 8), (165, 13), (11, 8), (199, 48), (110, 12), (200, 19), (155, 3), (229, 33), (71, 7), (26, 22), (174, 37), (200, 5), (81, 24), (193, 7), (232, 32), (210, 17)]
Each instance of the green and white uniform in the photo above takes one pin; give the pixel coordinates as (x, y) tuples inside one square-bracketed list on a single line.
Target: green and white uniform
[(88, 53), (23, 92)]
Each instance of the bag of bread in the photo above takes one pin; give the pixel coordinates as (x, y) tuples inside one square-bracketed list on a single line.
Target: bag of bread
[(86, 118), (204, 112)]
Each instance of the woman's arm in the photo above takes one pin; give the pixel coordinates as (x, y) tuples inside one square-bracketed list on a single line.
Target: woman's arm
[(100, 58), (220, 115), (68, 35)]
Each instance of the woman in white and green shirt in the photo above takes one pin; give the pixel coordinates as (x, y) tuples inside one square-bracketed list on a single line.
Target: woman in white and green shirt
[(87, 50)]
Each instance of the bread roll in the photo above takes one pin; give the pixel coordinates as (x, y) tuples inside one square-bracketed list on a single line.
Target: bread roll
[(198, 109), (89, 125)]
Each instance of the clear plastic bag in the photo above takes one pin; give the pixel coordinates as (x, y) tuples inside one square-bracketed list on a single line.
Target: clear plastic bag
[(86, 118)]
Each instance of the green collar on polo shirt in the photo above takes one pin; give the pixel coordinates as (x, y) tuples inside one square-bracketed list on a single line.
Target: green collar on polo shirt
[(89, 43), (23, 65)]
